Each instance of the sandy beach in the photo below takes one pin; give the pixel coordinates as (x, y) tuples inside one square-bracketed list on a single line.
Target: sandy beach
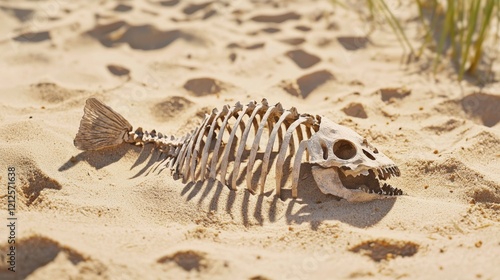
[(116, 214)]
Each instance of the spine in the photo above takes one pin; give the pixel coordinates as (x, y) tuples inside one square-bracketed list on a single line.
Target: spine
[(102, 127), (169, 145)]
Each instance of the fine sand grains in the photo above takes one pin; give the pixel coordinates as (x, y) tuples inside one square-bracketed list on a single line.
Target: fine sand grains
[(116, 214)]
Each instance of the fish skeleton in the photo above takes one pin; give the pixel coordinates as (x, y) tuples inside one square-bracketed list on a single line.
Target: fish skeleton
[(343, 163)]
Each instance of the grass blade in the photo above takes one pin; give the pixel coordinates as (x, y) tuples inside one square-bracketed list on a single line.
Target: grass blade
[(445, 32), (488, 10), (473, 18), (394, 22)]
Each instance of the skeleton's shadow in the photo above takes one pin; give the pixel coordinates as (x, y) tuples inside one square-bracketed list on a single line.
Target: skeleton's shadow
[(148, 159), (311, 207), (99, 159)]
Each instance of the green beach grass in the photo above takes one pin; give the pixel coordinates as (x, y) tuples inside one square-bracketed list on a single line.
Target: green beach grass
[(466, 32)]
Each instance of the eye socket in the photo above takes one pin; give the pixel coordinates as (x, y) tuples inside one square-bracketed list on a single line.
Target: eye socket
[(344, 149), (368, 154)]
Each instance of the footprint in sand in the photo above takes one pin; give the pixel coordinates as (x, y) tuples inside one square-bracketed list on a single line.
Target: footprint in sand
[(34, 181), (170, 107), (35, 252), (484, 194), (280, 18), (356, 110), (482, 106), (270, 30), (21, 14), (392, 93), (193, 8), (169, 3), (306, 84), (33, 37), (141, 37), (188, 260), (303, 28), (293, 41), (204, 86), (353, 43), (380, 249), (123, 8), (246, 46), (118, 70), (53, 93), (302, 58)]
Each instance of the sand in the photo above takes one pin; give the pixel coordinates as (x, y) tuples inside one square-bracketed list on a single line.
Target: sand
[(112, 214)]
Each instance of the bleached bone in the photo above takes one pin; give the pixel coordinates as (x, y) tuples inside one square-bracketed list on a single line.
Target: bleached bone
[(185, 165), (343, 163), (296, 167), (101, 127), (204, 155), (281, 156), (288, 114), (215, 157), (194, 157), (249, 108), (271, 111), (182, 153), (243, 140)]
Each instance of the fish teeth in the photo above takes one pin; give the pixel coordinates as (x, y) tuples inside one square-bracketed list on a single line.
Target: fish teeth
[(364, 188), (387, 173), (394, 172), (389, 190), (391, 170), (386, 188)]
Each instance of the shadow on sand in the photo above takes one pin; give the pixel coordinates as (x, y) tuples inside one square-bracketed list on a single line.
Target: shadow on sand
[(311, 207)]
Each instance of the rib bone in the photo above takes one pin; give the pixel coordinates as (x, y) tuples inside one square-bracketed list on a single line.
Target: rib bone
[(255, 146), (243, 140), (225, 159)]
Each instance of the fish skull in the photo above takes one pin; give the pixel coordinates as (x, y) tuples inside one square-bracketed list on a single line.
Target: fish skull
[(347, 166)]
